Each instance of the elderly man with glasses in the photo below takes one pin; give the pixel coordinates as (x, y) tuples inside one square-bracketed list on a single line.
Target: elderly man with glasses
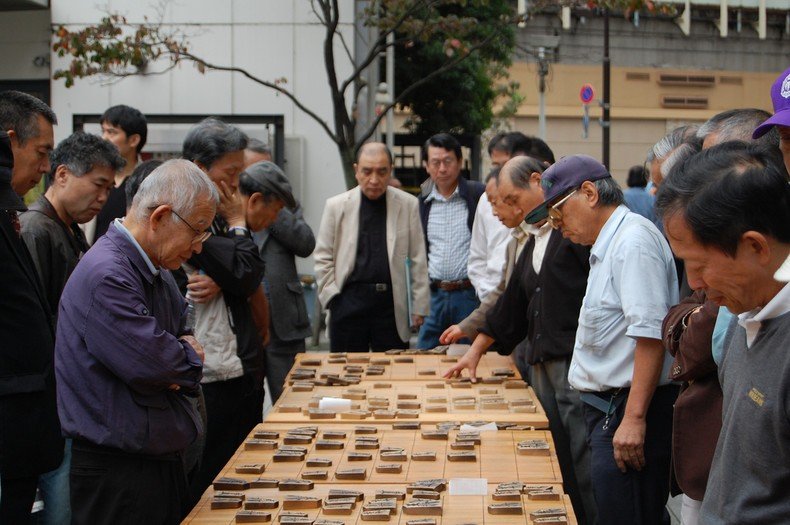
[(126, 365), (619, 365)]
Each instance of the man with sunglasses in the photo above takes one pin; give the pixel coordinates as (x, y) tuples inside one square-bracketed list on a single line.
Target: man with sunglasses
[(126, 365), (619, 365)]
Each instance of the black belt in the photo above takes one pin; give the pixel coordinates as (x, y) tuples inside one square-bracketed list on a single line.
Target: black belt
[(378, 287), (450, 286), (81, 444)]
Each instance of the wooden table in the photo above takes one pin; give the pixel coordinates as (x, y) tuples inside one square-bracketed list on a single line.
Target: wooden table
[(399, 367), (456, 509), (438, 401)]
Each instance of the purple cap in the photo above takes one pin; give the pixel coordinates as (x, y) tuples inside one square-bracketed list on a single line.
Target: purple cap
[(565, 175), (780, 96)]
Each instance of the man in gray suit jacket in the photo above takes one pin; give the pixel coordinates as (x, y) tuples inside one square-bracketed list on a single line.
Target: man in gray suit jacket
[(370, 260)]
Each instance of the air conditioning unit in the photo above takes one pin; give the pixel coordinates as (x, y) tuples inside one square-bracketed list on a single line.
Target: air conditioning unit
[(684, 102), (666, 79)]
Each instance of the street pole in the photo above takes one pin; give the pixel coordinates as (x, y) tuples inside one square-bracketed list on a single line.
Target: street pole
[(606, 77), (543, 70), (390, 74)]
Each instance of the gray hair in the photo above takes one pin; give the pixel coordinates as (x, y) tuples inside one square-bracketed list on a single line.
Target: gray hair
[(18, 111), (680, 135), (737, 124), (210, 139), (677, 156), (177, 182), (520, 169), (258, 146), (609, 192), (82, 152)]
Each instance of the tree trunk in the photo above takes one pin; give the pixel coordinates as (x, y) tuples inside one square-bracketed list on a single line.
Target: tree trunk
[(347, 159)]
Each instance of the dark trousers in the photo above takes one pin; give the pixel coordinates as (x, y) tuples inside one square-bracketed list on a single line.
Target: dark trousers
[(636, 497), (447, 308), (230, 417), (280, 357), (114, 487), (363, 318), (16, 499)]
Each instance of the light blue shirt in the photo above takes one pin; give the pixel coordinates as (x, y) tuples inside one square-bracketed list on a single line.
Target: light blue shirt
[(723, 320), (448, 237), (121, 228), (631, 286)]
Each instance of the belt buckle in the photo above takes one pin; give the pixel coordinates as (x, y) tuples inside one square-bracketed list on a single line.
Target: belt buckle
[(381, 287)]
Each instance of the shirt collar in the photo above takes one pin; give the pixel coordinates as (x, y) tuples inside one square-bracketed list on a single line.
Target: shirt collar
[(601, 245), (126, 233), (435, 195), (520, 232), (753, 319), (537, 231)]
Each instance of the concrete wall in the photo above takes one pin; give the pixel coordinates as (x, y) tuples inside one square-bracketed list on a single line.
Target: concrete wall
[(24, 45), (269, 38)]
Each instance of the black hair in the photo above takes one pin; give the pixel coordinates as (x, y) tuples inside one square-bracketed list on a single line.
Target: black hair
[(137, 177), (210, 139), (739, 124), (511, 143), (493, 175), (258, 146), (637, 177), (130, 120), (727, 190), (18, 112), (444, 141), (82, 152), (540, 150), (494, 141)]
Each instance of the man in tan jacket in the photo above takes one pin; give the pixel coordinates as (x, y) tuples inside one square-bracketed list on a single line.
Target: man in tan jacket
[(370, 260)]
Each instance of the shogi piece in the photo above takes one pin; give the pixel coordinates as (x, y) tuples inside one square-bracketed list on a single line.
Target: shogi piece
[(351, 473), (435, 434), (297, 439), (281, 456), (555, 520), (435, 385), (422, 521), (407, 414), (359, 456), (404, 359), (289, 409), (315, 474), (406, 425), (328, 522), (408, 404), (250, 468), (334, 509), (355, 414), (318, 462), (229, 494), (365, 430), (390, 504), (391, 494), (230, 484), (382, 385), (424, 507), (310, 362), (295, 518), (264, 483), (258, 503), (426, 494), (253, 516), (384, 414), (506, 495), (461, 456), (375, 515), (426, 372), (266, 434), (503, 372), (468, 436), (225, 503), (295, 484), (506, 508), (437, 485), (389, 468), (365, 444), (291, 502), (302, 386), (321, 414), (423, 456), (518, 384), (547, 513), (463, 445), (436, 409), (345, 493), (534, 447), (329, 444), (335, 434), (380, 361), (393, 454), (260, 444)]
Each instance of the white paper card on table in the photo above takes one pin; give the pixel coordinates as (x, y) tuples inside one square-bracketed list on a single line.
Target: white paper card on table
[(457, 349), (488, 427), (468, 486), (334, 404)]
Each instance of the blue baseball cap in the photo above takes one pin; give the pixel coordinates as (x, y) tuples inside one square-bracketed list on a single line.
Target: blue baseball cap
[(565, 175)]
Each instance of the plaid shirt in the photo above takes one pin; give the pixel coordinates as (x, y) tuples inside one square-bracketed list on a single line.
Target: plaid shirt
[(448, 237)]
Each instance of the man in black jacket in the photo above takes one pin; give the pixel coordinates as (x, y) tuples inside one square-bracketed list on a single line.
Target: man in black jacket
[(30, 440), (228, 271), (541, 303)]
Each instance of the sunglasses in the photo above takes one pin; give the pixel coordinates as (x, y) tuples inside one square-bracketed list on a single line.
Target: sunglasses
[(555, 215)]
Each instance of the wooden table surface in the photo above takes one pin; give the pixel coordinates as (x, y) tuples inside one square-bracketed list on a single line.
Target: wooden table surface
[(515, 405)]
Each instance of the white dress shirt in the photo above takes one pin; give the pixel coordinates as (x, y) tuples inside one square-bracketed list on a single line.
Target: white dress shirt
[(487, 249), (752, 321), (542, 235), (448, 237), (631, 286)]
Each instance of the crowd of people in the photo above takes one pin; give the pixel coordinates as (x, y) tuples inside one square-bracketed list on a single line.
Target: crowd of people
[(144, 304)]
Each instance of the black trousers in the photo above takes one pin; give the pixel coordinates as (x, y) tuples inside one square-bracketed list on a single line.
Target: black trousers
[(363, 318), (231, 408), (16, 499), (111, 486), (636, 497)]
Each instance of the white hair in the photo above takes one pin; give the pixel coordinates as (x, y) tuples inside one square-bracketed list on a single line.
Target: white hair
[(177, 182)]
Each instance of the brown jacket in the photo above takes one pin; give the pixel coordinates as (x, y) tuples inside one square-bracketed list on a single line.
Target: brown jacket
[(697, 417)]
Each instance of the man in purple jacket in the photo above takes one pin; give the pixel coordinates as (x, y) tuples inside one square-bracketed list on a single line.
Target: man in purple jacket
[(125, 363)]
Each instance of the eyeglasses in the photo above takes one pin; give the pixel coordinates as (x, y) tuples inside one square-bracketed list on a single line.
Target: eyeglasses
[(555, 215), (447, 162), (200, 237)]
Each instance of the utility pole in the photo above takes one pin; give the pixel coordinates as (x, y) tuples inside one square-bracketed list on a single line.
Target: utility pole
[(606, 94), (543, 71)]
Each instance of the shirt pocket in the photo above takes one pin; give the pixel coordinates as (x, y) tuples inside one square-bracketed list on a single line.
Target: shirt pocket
[(597, 327)]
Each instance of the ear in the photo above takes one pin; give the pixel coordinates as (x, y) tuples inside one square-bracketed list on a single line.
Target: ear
[(535, 178), (61, 174), (12, 136), (133, 140), (159, 215), (590, 193), (755, 244), (202, 167)]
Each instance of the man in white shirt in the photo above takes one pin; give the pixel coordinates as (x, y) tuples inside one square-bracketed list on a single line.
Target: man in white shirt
[(726, 213), (618, 363)]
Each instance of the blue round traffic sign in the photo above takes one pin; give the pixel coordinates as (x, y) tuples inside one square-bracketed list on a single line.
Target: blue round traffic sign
[(587, 93)]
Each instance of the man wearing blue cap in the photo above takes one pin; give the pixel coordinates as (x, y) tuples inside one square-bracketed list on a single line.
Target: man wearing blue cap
[(618, 365)]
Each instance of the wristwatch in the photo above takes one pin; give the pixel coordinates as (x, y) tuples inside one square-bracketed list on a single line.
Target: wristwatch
[(239, 231)]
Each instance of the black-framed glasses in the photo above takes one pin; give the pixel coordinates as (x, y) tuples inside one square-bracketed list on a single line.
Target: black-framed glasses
[(555, 215), (200, 237)]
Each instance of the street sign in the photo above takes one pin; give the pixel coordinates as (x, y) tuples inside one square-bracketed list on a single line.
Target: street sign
[(587, 93)]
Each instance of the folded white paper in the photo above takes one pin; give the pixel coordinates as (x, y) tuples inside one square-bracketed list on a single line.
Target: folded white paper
[(468, 486), (479, 428), (334, 404)]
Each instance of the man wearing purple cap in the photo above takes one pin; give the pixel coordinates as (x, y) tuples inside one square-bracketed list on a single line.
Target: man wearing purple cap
[(618, 365), (780, 96)]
